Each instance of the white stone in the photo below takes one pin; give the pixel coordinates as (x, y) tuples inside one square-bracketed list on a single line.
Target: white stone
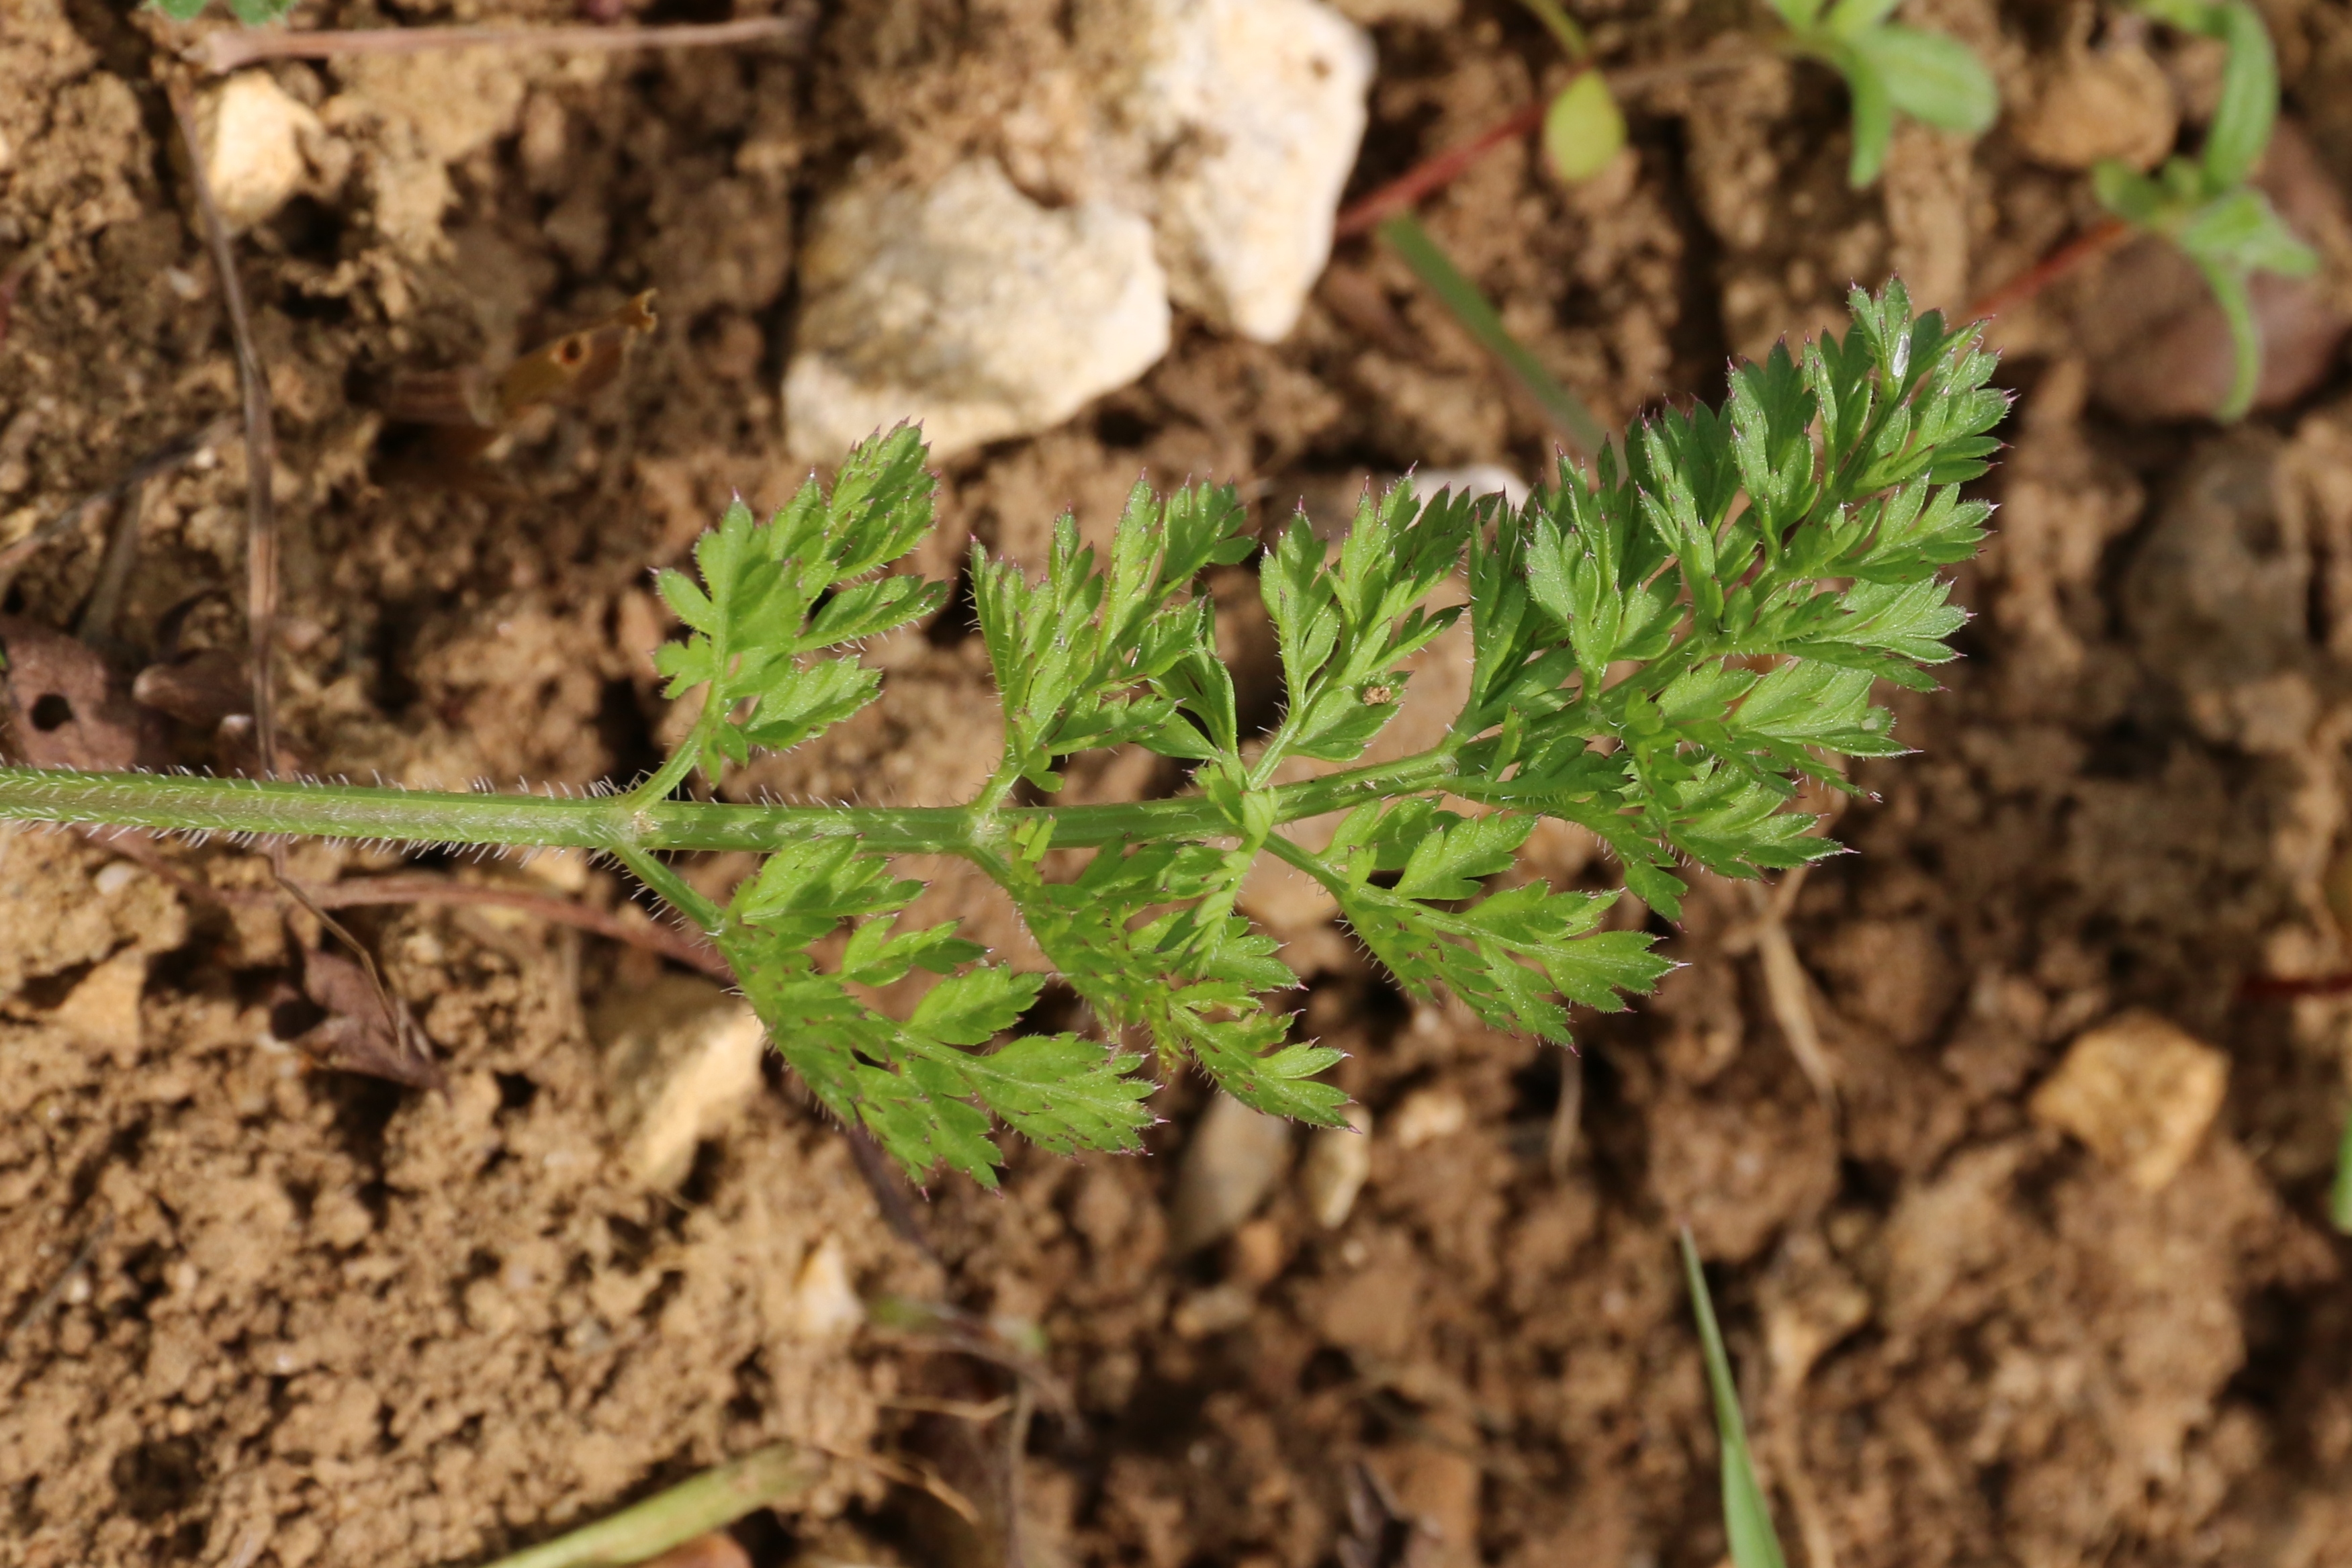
[(1233, 1161), (681, 1059), (253, 148), (967, 306), (825, 1305), (1253, 110), (1338, 1162)]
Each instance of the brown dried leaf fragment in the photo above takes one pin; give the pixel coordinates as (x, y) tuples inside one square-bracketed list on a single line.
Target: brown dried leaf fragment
[(463, 412), (366, 1029), (67, 708)]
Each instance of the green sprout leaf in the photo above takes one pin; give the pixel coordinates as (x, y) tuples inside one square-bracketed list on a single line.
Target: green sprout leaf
[(2339, 1205), (1933, 78), (2223, 225), (1890, 69), (1746, 1517), (1583, 128)]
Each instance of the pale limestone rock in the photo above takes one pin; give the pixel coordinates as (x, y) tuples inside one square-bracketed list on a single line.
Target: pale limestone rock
[(1252, 111), (2139, 1092), (826, 1304), (1236, 1156), (1339, 1161), (1427, 1115), (253, 138), (1212, 1311), (681, 1058), (967, 306)]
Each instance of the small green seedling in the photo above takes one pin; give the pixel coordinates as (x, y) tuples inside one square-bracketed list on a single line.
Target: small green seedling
[(252, 13), (2204, 204), (1746, 1517), (1582, 126), (2339, 1202), (1660, 652), (1890, 69)]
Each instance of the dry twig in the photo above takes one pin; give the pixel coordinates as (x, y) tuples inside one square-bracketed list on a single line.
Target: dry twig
[(183, 449), (1786, 988), (46, 1302), (260, 445), (422, 888), (232, 48)]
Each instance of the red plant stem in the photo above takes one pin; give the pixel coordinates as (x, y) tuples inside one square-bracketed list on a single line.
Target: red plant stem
[(2287, 988), (1431, 174), (2086, 247), (1434, 173)]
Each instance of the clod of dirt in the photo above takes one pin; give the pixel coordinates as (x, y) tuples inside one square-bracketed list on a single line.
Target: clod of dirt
[(681, 1058), (1253, 110), (2139, 1093), (2161, 348), (969, 307), (65, 707), (102, 1009), (1427, 1115), (2090, 104), (253, 139), (1809, 1303), (2218, 596), (1339, 1159), (1236, 1156), (1222, 1306)]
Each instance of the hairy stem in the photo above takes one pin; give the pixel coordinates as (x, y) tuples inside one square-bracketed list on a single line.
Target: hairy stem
[(625, 825)]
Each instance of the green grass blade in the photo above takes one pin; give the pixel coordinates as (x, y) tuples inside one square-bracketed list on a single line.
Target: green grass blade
[(1562, 27), (1746, 1519), (2339, 1205), (1435, 269)]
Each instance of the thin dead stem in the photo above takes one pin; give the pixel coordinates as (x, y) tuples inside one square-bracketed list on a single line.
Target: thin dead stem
[(1787, 990), (260, 445), (233, 49), (185, 449), (425, 889)]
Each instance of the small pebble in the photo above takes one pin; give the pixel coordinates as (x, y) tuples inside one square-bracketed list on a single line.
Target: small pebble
[(1233, 1160), (1339, 1160), (2137, 1091)]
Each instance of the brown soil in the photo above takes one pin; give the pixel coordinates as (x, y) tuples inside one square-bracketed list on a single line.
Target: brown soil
[(261, 1313)]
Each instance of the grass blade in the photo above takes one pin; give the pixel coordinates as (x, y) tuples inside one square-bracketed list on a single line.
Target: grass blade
[(1746, 1519), (2340, 1204), (1435, 269)]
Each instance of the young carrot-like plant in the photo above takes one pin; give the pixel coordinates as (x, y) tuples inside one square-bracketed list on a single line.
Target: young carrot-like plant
[(1660, 652)]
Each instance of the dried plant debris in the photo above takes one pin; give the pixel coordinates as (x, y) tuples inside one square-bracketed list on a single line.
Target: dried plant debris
[(65, 707), (457, 416), (366, 1030)]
